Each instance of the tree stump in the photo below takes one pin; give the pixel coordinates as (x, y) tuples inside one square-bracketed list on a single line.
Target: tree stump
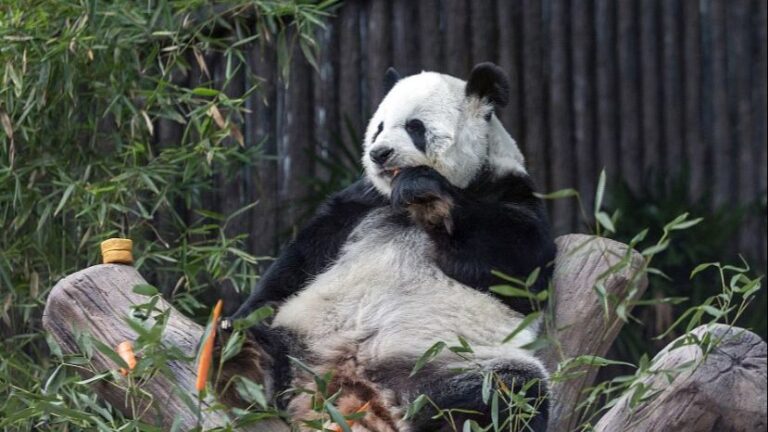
[(97, 299), (726, 391)]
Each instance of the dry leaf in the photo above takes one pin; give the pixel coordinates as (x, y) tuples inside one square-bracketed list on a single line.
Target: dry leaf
[(6, 121), (6, 307), (237, 135), (150, 126), (217, 117), (34, 284), (201, 63)]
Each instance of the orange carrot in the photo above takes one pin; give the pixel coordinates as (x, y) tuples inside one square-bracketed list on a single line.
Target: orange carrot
[(206, 354), (125, 351)]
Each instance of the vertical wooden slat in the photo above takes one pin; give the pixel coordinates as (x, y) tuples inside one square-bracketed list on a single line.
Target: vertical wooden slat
[(405, 39), (509, 23), (651, 87), (456, 38), (607, 109), (721, 148), (378, 48), (582, 39), (168, 134), (208, 198), (261, 130), (349, 106), (533, 90), (430, 34), (294, 128), (695, 148), (760, 113), (326, 120), (561, 146), (232, 190), (672, 85), (483, 32), (630, 155), (740, 107)]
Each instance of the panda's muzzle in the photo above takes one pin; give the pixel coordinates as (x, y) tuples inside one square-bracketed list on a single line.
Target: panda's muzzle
[(380, 155)]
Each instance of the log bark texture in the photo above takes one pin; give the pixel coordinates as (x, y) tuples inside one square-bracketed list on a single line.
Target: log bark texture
[(97, 300), (725, 392), (579, 323)]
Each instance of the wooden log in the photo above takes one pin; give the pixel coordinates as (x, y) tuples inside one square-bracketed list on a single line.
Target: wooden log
[(579, 324), (723, 391), (98, 300)]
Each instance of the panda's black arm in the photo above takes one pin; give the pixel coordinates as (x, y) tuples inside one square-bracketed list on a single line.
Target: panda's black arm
[(494, 224), (315, 246)]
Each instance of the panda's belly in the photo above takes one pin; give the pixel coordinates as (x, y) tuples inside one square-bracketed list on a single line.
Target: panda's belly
[(387, 297)]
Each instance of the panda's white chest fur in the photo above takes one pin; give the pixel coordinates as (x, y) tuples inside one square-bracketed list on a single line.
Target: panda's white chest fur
[(386, 296)]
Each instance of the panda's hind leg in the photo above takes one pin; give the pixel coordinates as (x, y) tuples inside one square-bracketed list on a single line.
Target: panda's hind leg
[(459, 395), (263, 359)]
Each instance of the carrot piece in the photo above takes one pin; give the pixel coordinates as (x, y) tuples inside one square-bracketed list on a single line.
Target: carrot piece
[(206, 354), (125, 351)]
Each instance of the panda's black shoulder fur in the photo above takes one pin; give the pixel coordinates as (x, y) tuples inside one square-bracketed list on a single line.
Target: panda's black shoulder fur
[(498, 224)]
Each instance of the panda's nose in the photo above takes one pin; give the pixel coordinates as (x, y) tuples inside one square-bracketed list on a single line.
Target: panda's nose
[(381, 155)]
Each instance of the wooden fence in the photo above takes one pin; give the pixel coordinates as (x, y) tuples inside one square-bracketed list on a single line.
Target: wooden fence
[(641, 88)]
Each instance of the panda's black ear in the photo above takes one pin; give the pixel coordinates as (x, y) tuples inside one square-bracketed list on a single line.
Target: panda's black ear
[(489, 81), (391, 77)]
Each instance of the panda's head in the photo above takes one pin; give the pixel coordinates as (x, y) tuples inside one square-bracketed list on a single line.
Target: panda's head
[(442, 122)]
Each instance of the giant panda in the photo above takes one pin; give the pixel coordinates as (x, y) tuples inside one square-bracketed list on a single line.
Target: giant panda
[(403, 259)]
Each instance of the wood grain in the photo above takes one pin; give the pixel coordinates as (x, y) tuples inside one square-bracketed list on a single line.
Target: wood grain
[(579, 323), (725, 391), (97, 300)]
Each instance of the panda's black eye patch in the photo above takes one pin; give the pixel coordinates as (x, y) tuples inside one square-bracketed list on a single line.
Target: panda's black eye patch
[(417, 132), (414, 126), (378, 131)]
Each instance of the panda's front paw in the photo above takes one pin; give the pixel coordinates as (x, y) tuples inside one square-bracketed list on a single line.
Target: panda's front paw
[(426, 196)]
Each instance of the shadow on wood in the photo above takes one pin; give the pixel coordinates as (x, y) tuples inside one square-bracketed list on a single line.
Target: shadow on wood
[(97, 299)]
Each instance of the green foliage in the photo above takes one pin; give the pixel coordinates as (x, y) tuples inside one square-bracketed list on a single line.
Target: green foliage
[(83, 88), (84, 84), (713, 239)]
